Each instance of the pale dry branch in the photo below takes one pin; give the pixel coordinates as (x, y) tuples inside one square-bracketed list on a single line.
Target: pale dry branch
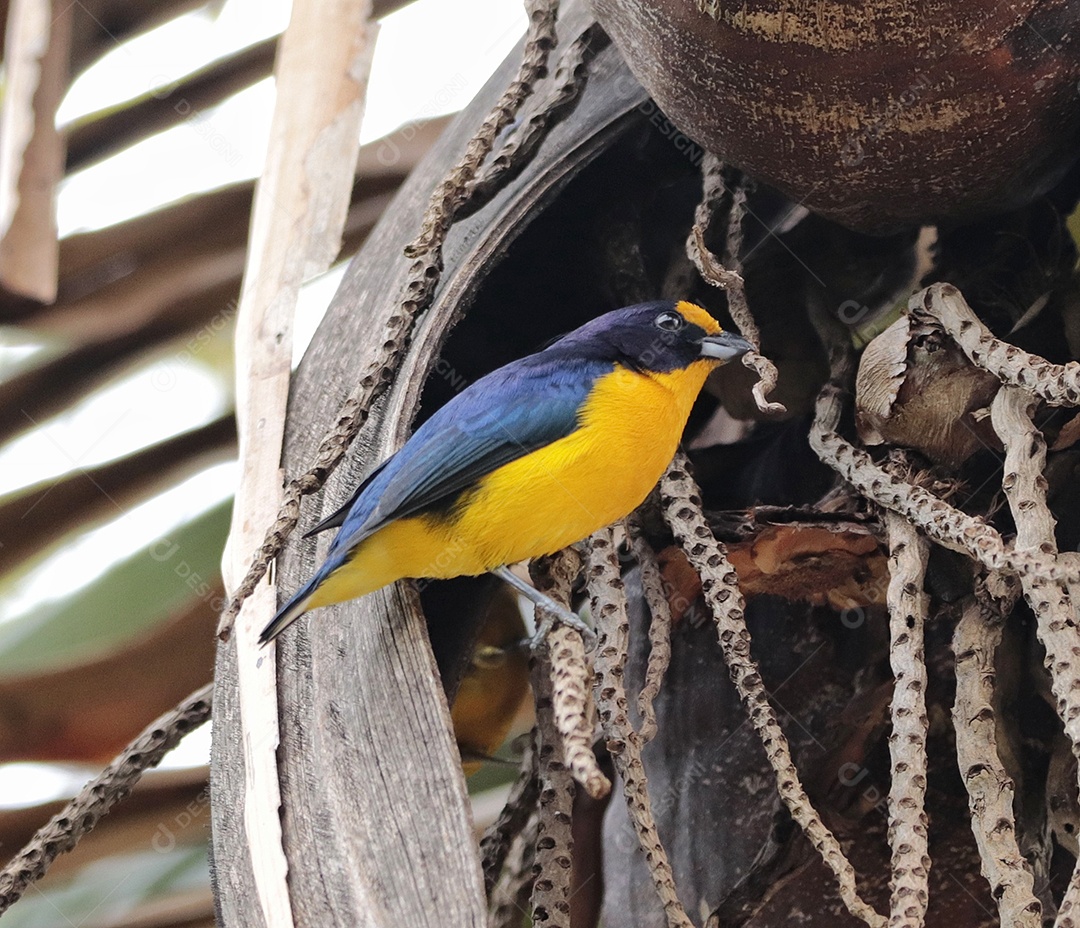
[(79, 816), (553, 861), (453, 192), (571, 75), (520, 805), (1025, 489), (734, 243), (652, 587), (419, 289), (681, 503), (713, 193), (908, 553), (552, 866), (1044, 577), (729, 279), (990, 789), (1048, 595), (571, 680), (608, 607), (1056, 384), (945, 524)]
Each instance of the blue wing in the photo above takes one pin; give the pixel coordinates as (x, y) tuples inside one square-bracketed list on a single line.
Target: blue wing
[(504, 416), (501, 417)]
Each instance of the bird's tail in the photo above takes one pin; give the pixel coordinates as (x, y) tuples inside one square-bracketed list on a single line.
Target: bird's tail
[(328, 585), (289, 613)]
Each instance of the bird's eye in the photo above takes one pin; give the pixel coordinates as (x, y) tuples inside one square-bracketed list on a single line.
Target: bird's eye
[(670, 321)]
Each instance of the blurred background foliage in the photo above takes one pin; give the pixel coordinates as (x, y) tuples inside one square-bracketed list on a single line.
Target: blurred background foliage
[(117, 444)]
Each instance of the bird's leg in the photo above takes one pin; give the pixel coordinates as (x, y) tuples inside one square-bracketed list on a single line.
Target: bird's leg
[(551, 609)]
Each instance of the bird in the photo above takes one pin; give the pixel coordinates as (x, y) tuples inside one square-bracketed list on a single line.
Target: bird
[(531, 458), (495, 683)]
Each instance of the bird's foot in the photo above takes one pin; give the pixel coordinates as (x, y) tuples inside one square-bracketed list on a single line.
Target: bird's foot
[(553, 612)]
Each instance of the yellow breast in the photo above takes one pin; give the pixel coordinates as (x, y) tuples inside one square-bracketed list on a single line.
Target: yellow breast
[(630, 427)]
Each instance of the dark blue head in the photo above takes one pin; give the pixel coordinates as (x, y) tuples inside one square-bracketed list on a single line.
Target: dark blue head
[(660, 336)]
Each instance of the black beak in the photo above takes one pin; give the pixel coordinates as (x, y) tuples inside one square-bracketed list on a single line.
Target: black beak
[(724, 346)]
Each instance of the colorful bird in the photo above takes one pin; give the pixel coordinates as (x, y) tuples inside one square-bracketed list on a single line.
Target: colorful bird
[(527, 460)]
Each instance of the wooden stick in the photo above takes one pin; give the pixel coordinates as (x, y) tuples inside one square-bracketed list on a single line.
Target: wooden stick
[(81, 815), (1025, 488), (552, 868), (36, 54), (299, 213)]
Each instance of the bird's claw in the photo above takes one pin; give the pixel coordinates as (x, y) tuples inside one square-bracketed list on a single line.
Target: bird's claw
[(553, 612), (557, 615)]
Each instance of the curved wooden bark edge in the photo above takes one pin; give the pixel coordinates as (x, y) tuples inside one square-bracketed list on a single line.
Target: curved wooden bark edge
[(376, 823)]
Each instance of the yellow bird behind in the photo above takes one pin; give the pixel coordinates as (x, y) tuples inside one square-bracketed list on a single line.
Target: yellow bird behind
[(494, 687)]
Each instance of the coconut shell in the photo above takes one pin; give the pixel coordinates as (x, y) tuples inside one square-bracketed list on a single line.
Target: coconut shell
[(877, 114)]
